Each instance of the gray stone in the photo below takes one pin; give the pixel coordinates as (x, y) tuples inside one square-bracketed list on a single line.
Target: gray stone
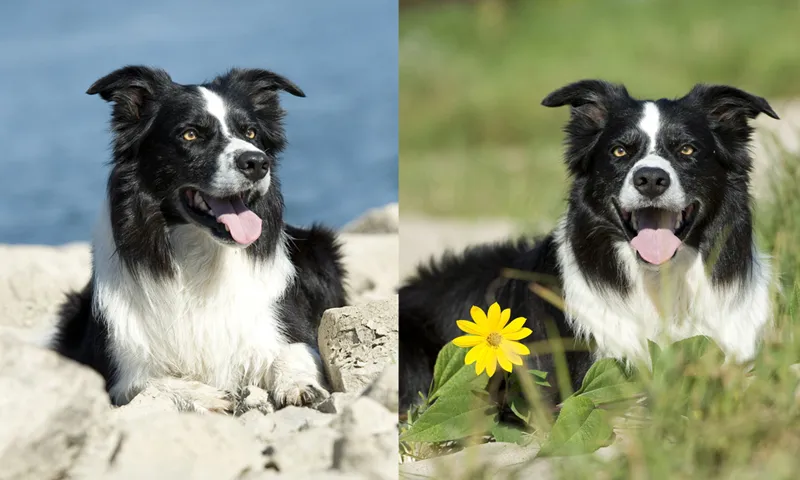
[(336, 402), (259, 425), (489, 460), (52, 411), (368, 444), (185, 445), (385, 388), (302, 452), (356, 343), (372, 266), (296, 419), (384, 219)]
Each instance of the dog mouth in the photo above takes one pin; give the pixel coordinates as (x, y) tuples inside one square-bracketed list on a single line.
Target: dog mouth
[(657, 233), (228, 218)]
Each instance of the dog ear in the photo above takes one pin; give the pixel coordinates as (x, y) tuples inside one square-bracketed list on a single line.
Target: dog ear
[(129, 88), (263, 85), (729, 106), (589, 100)]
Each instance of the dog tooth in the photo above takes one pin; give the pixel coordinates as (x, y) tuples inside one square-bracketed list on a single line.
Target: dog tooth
[(227, 229)]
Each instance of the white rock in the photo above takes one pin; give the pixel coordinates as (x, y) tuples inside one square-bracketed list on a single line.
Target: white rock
[(385, 388), (489, 460), (356, 343), (372, 266), (336, 402), (185, 445), (302, 452), (384, 219), (369, 440), (52, 411), (293, 419), (34, 279)]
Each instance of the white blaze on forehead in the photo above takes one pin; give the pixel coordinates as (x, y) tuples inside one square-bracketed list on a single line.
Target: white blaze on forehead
[(215, 106), (629, 197), (650, 122), (227, 176)]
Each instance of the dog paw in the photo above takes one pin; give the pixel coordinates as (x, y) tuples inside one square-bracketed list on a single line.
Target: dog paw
[(194, 396), (252, 398), (299, 393)]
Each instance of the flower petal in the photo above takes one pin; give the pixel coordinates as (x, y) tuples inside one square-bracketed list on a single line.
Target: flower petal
[(504, 316), (518, 323), (509, 353), (466, 341), (518, 348), (491, 361), (478, 317), (474, 354), (469, 327), (493, 314), (518, 335), (503, 361)]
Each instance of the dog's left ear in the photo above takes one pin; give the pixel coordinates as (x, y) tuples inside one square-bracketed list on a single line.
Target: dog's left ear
[(729, 106), (263, 85)]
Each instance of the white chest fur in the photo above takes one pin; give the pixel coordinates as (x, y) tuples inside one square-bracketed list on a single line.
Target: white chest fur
[(216, 321), (677, 302)]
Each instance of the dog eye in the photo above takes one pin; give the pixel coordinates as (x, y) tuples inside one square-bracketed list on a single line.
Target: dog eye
[(618, 152), (189, 134), (687, 150), (250, 133)]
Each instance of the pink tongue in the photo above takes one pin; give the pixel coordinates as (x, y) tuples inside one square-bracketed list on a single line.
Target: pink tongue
[(656, 246), (243, 224)]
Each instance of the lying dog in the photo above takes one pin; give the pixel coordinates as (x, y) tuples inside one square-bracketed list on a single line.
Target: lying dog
[(656, 243), (198, 286)]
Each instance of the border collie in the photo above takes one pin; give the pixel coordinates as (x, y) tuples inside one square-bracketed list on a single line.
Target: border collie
[(198, 287), (656, 243)]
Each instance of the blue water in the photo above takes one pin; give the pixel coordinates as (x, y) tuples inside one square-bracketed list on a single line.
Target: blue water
[(54, 141)]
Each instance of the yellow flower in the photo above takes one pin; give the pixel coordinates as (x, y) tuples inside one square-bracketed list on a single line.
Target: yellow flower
[(493, 339)]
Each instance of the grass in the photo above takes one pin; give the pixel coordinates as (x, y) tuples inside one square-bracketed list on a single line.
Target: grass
[(474, 140)]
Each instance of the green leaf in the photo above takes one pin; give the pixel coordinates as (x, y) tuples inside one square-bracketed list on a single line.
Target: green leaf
[(452, 377), (580, 428), (655, 352), (453, 417), (507, 434), (539, 374), (607, 382)]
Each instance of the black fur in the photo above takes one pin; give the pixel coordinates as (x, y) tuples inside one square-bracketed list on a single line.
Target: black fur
[(150, 166), (713, 119)]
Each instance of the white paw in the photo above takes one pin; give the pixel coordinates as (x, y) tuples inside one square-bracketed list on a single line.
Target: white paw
[(253, 398), (193, 396), (296, 378), (300, 393)]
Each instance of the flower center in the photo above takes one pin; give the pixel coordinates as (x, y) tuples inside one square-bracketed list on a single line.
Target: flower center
[(494, 339)]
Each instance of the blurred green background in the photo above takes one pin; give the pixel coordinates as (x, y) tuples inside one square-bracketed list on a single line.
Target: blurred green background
[(474, 141)]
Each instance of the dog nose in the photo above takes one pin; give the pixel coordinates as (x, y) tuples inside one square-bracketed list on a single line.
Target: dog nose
[(254, 165), (651, 181)]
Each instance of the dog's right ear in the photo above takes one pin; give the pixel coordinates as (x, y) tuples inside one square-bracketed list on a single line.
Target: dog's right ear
[(129, 88), (589, 100)]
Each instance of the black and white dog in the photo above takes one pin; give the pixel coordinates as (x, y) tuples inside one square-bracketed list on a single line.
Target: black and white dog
[(656, 243), (198, 287)]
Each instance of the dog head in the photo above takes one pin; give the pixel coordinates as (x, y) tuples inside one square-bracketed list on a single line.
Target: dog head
[(196, 154), (654, 172)]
